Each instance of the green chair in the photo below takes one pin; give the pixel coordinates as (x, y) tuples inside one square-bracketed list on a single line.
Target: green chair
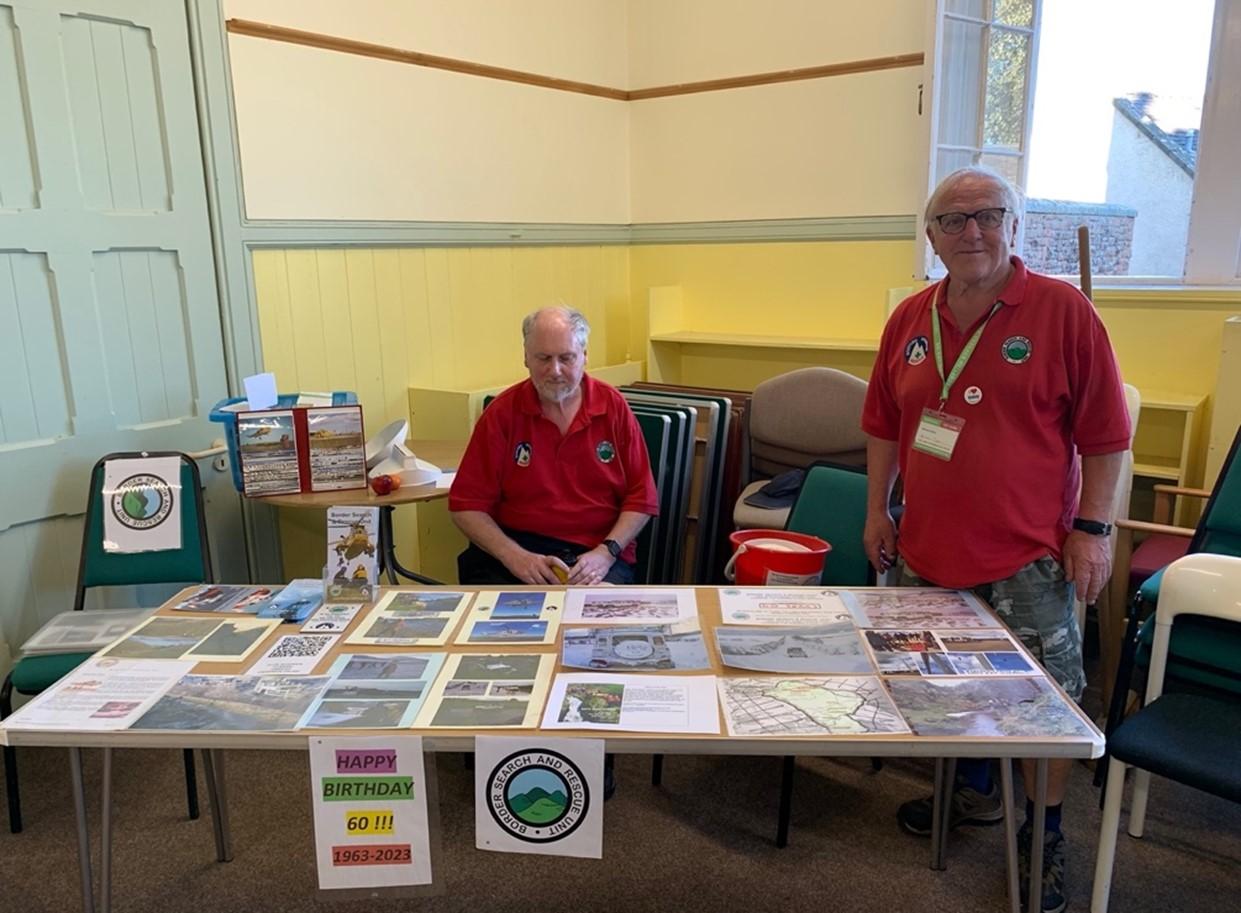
[(1204, 655), (191, 563), (832, 505)]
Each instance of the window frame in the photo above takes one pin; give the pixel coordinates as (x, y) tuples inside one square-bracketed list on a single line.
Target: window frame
[(1213, 250)]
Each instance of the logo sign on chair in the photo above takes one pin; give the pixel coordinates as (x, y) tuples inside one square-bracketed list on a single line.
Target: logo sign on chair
[(142, 505)]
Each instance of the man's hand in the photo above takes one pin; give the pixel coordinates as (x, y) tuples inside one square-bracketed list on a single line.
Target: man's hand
[(534, 569), (1087, 563), (591, 567), (879, 539)]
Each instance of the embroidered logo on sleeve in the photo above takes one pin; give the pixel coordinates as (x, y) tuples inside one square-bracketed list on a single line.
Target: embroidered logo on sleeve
[(915, 350), (521, 456)]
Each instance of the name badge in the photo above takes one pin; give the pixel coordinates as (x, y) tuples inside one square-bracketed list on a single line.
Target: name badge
[(937, 433)]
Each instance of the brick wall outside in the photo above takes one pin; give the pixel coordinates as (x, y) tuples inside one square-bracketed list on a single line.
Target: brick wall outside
[(1051, 236)]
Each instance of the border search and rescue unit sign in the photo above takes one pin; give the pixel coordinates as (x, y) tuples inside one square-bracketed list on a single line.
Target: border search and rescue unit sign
[(542, 796), (142, 504), (370, 811)]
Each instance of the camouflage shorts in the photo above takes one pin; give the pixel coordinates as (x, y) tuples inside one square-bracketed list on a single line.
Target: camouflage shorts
[(1037, 605)]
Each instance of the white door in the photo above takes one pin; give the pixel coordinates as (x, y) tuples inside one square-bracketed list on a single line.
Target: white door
[(110, 334)]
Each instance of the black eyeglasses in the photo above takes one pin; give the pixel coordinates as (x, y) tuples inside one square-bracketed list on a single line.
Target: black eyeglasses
[(953, 223)]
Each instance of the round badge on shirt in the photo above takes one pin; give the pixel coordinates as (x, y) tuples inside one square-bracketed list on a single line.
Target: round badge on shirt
[(1016, 350), (915, 350), (605, 451), (973, 396), (521, 456)]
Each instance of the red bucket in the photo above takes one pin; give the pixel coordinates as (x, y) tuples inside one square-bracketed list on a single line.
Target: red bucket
[(775, 557)]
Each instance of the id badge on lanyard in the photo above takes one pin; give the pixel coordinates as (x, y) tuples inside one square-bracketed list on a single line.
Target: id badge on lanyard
[(938, 430)]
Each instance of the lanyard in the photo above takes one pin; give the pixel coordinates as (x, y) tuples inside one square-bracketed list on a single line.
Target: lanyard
[(963, 358)]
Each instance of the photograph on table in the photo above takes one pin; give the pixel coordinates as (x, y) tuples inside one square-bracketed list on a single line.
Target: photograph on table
[(504, 617), (808, 706), (1028, 707), (215, 597), (902, 652), (296, 601), (635, 648), (794, 607), (233, 641), (255, 601), (393, 680), (267, 448), (408, 618), (823, 650), (633, 703), (422, 602), (162, 637), (917, 607), (478, 691), (616, 605), (247, 702)]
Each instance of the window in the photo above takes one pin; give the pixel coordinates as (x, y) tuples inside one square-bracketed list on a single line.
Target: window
[(1127, 128)]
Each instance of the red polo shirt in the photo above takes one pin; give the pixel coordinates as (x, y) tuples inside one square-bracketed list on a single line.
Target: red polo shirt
[(1041, 386), (519, 468)]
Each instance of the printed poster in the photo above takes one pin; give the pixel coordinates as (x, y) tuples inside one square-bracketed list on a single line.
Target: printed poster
[(352, 552), (369, 797), (513, 617), (542, 796), (640, 605), (633, 703), (267, 448), (142, 505), (337, 448), (100, 694)]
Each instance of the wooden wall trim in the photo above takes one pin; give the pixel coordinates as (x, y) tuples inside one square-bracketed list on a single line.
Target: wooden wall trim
[(417, 58)]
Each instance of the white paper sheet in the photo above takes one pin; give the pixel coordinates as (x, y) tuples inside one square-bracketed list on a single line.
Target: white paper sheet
[(629, 605), (369, 797), (142, 504), (293, 654), (633, 703), (762, 605), (539, 796), (101, 694)]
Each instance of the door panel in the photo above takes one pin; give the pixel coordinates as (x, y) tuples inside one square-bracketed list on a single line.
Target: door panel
[(111, 330)]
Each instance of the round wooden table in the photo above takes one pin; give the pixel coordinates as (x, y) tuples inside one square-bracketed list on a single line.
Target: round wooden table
[(444, 454)]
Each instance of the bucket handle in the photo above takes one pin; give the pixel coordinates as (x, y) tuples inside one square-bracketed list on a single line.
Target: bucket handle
[(729, 573)]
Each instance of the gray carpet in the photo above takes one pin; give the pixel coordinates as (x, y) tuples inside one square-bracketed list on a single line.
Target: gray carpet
[(703, 841)]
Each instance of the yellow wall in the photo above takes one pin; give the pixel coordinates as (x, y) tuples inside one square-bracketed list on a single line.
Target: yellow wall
[(380, 321)]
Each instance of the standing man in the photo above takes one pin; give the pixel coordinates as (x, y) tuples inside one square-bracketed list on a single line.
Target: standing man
[(987, 387), (556, 483)]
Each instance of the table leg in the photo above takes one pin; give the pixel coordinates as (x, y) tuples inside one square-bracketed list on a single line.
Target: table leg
[(387, 549), (786, 800), (217, 795), (1010, 835), (105, 836), (941, 810), (79, 808), (1040, 824)]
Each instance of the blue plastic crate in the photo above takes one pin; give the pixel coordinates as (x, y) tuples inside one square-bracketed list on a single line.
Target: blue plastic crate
[(283, 401)]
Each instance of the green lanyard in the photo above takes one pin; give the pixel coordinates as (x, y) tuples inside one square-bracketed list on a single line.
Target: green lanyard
[(963, 358)]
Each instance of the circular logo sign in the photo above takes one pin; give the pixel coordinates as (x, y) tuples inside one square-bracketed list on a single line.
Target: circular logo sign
[(606, 452), (973, 395), (521, 456), (1016, 350), (537, 796), (142, 502), (633, 648), (915, 350)]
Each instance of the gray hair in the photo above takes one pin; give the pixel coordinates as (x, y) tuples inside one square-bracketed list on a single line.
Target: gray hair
[(1012, 196), (576, 320)]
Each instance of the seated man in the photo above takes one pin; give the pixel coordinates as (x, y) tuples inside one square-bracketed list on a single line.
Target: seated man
[(555, 483)]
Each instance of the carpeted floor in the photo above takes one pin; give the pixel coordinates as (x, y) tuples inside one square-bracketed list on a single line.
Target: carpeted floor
[(703, 841)]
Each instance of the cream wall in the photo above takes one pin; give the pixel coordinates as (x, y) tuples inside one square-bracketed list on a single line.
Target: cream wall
[(327, 135)]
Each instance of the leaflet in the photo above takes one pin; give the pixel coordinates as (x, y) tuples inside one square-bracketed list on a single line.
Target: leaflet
[(633, 703), (761, 605), (101, 694)]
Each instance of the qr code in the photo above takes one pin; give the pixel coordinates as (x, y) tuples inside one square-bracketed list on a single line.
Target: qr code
[(301, 645)]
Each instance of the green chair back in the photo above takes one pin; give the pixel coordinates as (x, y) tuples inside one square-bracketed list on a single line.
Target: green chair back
[(832, 505), (1219, 530), (191, 563)]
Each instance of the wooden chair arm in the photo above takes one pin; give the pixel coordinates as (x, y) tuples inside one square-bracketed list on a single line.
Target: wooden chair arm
[(1177, 491), (1142, 526), (1165, 500)]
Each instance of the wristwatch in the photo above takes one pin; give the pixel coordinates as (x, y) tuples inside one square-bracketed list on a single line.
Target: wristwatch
[(613, 547), (1093, 527)]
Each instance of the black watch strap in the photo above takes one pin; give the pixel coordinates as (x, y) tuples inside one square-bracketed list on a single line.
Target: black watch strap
[(1093, 527), (613, 547)]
